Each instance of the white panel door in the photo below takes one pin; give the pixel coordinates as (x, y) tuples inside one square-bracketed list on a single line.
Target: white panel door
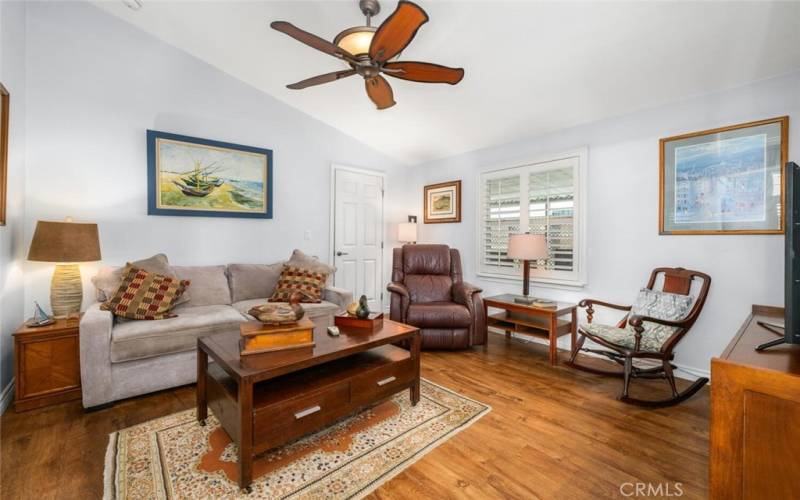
[(358, 234)]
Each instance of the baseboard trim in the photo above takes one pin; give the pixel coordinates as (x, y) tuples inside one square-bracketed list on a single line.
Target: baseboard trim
[(6, 397), (691, 373), (683, 372)]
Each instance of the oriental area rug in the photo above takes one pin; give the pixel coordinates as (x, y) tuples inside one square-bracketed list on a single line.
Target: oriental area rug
[(175, 457)]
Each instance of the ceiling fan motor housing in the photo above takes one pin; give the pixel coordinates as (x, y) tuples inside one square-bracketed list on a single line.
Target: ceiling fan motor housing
[(369, 7)]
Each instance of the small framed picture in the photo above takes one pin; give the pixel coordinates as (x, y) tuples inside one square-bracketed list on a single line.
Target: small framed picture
[(727, 180), (443, 202)]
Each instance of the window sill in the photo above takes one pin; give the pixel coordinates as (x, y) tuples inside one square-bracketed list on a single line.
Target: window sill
[(543, 282)]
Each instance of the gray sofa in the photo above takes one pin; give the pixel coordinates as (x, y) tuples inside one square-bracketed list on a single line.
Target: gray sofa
[(125, 358)]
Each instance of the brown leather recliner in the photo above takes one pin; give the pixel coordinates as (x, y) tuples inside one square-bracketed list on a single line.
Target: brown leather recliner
[(428, 292)]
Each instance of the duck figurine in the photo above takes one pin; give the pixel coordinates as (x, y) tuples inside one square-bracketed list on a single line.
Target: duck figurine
[(279, 314), (363, 308)]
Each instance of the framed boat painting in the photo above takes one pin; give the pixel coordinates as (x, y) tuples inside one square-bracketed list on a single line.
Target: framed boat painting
[(727, 180), (203, 178), (443, 202)]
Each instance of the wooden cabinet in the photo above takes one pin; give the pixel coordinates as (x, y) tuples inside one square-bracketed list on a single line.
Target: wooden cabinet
[(755, 415), (46, 365)]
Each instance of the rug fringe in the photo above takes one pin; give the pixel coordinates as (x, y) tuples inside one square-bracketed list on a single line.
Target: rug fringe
[(109, 470)]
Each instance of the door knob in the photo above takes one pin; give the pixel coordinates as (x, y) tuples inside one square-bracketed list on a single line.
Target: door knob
[(339, 254)]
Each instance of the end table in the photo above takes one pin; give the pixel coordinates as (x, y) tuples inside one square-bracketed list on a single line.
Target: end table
[(541, 322), (47, 367)]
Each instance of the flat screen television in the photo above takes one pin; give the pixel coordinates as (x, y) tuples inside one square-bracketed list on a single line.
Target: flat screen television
[(790, 330)]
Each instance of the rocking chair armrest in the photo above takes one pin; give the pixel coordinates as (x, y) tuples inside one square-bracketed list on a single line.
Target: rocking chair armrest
[(593, 302), (636, 321)]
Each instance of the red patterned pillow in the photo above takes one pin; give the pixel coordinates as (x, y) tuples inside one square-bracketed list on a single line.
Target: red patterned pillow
[(143, 295), (310, 284)]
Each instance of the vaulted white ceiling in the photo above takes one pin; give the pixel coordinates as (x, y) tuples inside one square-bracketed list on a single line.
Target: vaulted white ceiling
[(531, 67)]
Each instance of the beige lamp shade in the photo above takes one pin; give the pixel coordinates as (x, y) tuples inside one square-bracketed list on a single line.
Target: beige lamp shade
[(407, 232), (64, 242), (527, 246)]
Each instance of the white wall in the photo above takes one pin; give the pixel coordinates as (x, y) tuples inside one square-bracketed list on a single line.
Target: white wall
[(623, 240), (12, 75), (95, 84)]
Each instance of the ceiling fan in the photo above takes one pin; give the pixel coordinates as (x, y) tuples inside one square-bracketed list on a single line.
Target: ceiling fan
[(370, 51)]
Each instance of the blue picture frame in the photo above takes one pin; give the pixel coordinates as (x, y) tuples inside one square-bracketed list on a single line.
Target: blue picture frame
[(194, 177)]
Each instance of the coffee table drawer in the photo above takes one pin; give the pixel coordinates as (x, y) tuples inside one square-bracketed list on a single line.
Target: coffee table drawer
[(382, 382), (287, 420)]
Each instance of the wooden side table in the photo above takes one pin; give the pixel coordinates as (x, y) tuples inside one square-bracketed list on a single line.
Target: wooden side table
[(542, 322), (47, 368)]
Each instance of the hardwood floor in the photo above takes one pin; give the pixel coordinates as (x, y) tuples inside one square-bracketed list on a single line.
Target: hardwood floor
[(554, 432)]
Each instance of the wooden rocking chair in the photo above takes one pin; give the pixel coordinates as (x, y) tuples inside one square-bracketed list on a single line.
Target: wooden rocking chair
[(629, 340)]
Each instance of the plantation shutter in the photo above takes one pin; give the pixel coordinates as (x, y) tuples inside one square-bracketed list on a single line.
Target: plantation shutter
[(540, 198), (551, 200), (501, 217)]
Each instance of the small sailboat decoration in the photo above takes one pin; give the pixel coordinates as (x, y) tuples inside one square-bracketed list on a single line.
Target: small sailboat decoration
[(40, 318)]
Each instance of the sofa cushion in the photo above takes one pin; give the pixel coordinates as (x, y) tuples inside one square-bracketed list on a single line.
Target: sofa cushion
[(145, 339), (308, 284), (145, 296), (438, 315), (209, 284), (251, 281), (303, 261), (108, 278), (316, 310)]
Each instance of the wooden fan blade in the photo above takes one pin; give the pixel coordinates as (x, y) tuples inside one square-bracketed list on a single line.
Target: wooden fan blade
[(380, 92), (312, 40), (397, 31), (424, 72), (320, 79)]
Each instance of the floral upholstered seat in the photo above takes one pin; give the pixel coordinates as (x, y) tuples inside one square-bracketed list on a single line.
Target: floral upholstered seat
[(652, 303), (626, 337)]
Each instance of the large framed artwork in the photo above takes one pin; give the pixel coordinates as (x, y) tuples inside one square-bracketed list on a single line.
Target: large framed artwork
[(727, 180), (443, 202), (4, 102), (204, 178)]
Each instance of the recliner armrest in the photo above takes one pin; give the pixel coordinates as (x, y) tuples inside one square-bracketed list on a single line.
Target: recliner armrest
[(470, 296), (463, 292), (399, 288), (400, 300)]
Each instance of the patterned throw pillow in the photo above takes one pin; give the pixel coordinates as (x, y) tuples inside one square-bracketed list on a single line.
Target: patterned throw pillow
[(661, 305), (143, 295), (293, 279)]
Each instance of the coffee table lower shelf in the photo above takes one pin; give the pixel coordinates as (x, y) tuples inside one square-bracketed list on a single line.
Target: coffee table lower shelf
[(290, 406)]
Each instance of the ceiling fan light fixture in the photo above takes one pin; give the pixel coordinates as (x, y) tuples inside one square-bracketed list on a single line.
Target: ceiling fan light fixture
[(356, 40)]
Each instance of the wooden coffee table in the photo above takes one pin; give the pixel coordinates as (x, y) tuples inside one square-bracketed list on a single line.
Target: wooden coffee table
[(542, 322), (265, 400)]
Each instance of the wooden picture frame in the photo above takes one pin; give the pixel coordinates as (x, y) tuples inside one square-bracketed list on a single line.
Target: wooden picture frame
[(189, 176), (727, 180), (442, 202), (5, 100)]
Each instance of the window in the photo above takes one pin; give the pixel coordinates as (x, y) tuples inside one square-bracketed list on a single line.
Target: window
[(543, 197)]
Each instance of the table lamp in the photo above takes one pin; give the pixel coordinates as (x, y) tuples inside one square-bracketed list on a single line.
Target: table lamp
[(407, 231), (66, 244), (526, 247)]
